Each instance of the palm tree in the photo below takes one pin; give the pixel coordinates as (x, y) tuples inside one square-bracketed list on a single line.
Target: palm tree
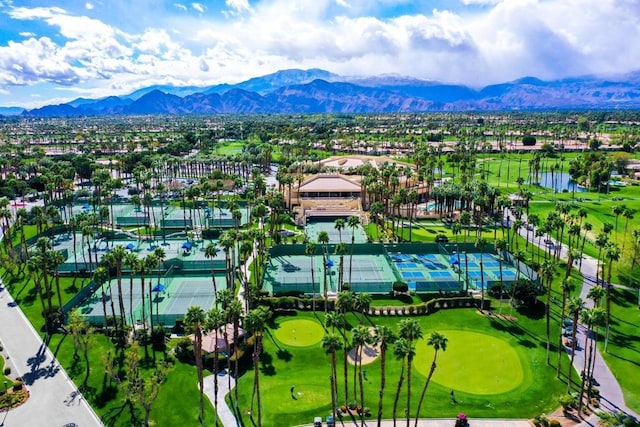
[(215, 320), (481, 243), (211, 252), (383, 336), (360, 337), (117, 256), (592, 318), (255, 322), (411, 330), (133, 263), (501, 246), (160, 256), (310, 250), (341, 249), (353, 221), (195, 320), (402, 349), (339, 225), (519, 257), (437, 341), (613, 254), (575, 306), (331, 343), (548, 270), (567, 286), (323, 239), (234, 312)]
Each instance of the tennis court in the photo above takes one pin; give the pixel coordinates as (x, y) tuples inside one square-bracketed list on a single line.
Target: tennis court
[(313, 228), (294, 273), (171, 296), (485, 276)]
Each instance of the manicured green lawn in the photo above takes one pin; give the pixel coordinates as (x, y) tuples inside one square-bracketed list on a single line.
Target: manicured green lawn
[(466, 369), (623, 356), (525, 392), (299, 332)]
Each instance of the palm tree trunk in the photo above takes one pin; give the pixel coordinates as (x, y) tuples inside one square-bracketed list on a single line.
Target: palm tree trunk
[(383, 381), (399, 388)]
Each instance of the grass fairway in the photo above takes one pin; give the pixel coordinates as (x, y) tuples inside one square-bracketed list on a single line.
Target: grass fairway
[(477, 346), (299, 332), (473, 363)]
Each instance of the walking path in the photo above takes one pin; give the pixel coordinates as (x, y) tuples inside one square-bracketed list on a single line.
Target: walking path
[(225, 385), (612, 398), (54, 399)]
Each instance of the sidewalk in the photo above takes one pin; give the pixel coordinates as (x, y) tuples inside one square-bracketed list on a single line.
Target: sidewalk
[(612, 398), (440, 422), (54, 399), (226, 416)]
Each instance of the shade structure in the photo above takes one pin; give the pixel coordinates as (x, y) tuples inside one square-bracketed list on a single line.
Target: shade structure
[(329, 263), (158, 288), (453, 259), (186, 245), (130, 246)]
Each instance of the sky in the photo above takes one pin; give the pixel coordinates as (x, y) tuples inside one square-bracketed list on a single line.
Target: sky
[(56, 51)]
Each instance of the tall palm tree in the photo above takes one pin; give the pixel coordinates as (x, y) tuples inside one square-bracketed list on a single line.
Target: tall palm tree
[(215, 320), (592, 318), (411, 330), (339, 225), (501, 246), (383, 336), (132, 262), (331, 343), (481, 243), (353, 221), (211, 252), (612, 252), (575, 305), (437, 341), (160, 255), (255, 322), (567, 286), (323, 239), (548, 270), (195, 320), (360, 338), (235, 314), (402, 349), (341, 249), (310, 250), (117, 256)]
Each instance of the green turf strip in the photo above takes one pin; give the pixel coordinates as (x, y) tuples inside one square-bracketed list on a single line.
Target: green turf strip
[(299, 332), (473, 363)]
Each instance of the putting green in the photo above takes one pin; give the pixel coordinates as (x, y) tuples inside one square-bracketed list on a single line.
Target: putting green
[(299, 332), (473, 363)]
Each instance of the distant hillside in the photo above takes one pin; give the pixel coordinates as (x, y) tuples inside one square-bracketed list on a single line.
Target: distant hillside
[(319, 91)]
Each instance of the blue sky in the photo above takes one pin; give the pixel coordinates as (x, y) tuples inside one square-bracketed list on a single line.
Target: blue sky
[(56, 51)]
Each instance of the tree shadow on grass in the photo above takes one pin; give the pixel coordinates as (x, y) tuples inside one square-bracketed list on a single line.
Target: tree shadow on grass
[(266, 362), (284, 355)]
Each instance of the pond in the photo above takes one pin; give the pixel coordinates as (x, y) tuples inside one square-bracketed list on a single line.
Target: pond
[(559, 182)]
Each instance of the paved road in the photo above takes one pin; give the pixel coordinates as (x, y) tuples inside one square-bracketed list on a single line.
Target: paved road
[(54, 400), (612, 398)]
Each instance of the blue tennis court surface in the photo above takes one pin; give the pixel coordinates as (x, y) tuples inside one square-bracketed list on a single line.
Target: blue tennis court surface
[(412, 275), (491, 263), (440, 274), (406, 264), (401, 257)]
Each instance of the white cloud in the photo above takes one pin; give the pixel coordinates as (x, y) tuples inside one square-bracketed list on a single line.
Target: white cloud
[(502, 41), (27, 34), (343, 3), (481, 2), (198, 7), (238, 5), (88, 6)]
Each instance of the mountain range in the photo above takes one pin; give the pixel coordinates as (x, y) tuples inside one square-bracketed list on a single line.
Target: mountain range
[(319, 91)]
